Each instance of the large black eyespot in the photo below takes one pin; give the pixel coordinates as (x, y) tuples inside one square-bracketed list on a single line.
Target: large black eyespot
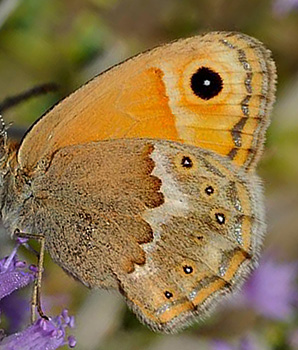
[(206, 83)]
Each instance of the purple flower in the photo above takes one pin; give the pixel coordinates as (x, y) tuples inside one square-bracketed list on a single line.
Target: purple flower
[(282, 7), (249, 343), (42, 335), (221, 345), (14, 274), (245, 343), (16, 309), (271, 290)]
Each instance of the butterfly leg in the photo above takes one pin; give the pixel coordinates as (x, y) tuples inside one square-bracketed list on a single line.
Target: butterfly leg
[(36, 299)]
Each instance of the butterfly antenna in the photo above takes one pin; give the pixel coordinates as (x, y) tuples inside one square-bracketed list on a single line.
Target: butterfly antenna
[(36, 91)]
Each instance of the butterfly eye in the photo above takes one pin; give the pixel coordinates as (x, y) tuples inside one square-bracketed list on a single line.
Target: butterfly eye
[(168, 295), (206, 83), (186, 162)]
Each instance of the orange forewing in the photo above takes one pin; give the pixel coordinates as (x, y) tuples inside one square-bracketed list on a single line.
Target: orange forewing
[(150, 96)]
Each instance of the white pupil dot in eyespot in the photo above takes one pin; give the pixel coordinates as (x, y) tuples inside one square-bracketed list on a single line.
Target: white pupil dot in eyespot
[(220, 218), (207, 82)]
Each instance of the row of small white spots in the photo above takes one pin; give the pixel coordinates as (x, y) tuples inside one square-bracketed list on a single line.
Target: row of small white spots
[(163, 309), (238, 233)]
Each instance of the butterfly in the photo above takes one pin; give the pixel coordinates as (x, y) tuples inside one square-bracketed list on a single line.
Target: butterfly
[(143, 180)]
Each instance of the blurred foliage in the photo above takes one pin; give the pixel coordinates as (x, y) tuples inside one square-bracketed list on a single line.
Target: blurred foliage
[(70, 41)]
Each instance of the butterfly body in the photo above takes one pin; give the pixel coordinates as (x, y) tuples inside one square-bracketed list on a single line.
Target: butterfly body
[(149, 188)]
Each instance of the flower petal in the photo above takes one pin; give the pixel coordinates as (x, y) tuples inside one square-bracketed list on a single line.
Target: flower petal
[(43, 334)]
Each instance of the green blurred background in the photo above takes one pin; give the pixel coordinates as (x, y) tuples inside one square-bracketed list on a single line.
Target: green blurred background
[(68, 42)]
